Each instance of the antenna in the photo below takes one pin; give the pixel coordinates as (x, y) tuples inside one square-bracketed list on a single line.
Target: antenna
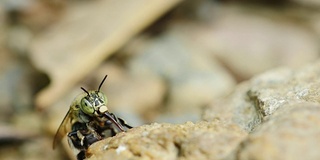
[(105, 77), (85, 91)]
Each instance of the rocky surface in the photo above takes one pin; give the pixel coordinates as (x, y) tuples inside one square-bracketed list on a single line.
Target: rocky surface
[(272, 116), (203, 140), (308, 3), (172, 71), (291, 134), (90, 38), (187, 70), (255, 100), (250, 41)]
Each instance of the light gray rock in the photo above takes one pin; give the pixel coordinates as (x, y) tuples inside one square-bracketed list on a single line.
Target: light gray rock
[(138, 93), (192, 77), (308, 3), (273, 116), (252, 40), (292, 134), (254, 101)]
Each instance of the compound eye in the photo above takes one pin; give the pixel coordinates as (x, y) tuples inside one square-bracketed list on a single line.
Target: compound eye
[(86, 106)]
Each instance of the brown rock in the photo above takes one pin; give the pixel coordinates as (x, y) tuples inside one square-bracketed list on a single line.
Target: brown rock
[(292, 134), (203, 140), (82, 40)]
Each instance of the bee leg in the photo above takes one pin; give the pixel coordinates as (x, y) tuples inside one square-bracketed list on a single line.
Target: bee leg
[(93, 132), (92, 137), (75, 140), (112, 119), (81, 155), (82, 139), (121, 121), (87, 140), (124, 123)]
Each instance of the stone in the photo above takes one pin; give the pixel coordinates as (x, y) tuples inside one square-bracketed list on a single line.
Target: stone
[(127, 92), (192, 77), (293, 133), (91, 39), (307, 3), (138, 94), (254, 101), (202, 140), (250, 41)]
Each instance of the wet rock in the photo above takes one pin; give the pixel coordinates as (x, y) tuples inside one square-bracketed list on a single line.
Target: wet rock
[(254, 101), (291, 134), (202, 140)]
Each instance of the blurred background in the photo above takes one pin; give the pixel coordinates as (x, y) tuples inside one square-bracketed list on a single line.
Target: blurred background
[(165, 60)]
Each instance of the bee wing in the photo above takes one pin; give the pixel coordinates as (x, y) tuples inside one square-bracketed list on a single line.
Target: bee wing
[(64, 128)]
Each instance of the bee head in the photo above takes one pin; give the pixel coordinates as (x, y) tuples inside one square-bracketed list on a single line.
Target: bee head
[(95, 103)]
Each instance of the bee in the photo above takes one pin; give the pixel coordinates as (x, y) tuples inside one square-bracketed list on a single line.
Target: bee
[(88, 121)]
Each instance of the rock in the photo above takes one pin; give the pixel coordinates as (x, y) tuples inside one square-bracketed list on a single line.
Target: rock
[(13, 134), (36, 149), (308, 3), (33, 13), (314, 23), (136, 93), (235, 108), (176, 118), (193, 78), (279, 109), (250, 41), (195, 89), (91, 39), (18, 83), (3, 28), (254, 101), (18, 39), (202, 140), (289, 135)]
